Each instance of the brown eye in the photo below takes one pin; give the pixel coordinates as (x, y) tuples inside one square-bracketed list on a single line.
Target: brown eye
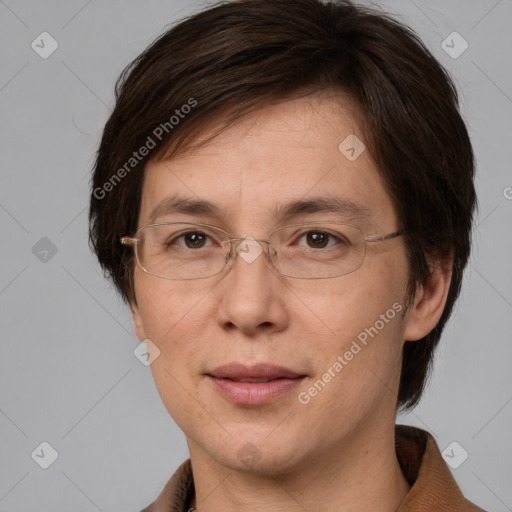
[(191, 240), (195, 240), (317, 239)]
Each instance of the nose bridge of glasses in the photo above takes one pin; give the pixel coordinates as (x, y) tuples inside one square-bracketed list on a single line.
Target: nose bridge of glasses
[(240, 240), (248, 248)]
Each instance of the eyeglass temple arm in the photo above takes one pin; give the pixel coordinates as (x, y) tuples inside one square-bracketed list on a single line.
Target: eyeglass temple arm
[(385, 237), (128, 240)]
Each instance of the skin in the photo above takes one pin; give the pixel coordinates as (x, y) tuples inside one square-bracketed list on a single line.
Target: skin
[(337, 451)]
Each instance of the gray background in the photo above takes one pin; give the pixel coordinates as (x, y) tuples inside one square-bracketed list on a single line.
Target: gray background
[(68, 375)]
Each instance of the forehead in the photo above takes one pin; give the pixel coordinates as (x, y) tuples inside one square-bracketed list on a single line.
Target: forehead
[(292, 158)]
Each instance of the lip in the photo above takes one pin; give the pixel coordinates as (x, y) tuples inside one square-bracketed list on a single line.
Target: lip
[(237, 371), (227, 381)]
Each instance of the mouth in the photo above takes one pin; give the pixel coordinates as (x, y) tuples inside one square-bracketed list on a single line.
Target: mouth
[(256, 385), (263, 372), (254, 381)]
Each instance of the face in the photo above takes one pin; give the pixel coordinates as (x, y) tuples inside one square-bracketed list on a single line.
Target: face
[(340, 338)]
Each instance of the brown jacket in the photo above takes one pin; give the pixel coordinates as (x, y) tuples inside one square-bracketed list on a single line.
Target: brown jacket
[(433, 486)]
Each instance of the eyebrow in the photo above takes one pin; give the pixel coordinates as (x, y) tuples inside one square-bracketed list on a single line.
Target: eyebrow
[(323, 204)]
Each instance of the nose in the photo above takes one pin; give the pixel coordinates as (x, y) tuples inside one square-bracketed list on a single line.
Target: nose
[(252, 292)]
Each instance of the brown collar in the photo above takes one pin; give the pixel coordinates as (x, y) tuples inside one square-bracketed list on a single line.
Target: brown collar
[(433, 487)]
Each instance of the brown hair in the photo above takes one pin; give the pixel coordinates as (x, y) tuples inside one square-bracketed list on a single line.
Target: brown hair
[(238, 56)]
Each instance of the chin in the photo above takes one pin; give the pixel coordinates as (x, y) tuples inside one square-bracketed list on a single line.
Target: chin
[(258, 452)]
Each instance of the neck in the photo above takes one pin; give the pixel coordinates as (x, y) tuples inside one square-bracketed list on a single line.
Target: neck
[(362, 474)]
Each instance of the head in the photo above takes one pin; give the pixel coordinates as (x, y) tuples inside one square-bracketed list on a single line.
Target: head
[(245, 106)]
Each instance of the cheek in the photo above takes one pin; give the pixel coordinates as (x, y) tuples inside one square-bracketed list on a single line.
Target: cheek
[(175, 371), (344, 307), (357, 369), (165, 305), (362, 333), (170, 316)]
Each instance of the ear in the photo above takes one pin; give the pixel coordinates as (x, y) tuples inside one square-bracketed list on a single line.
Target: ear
[(137, 322), (429, 301)]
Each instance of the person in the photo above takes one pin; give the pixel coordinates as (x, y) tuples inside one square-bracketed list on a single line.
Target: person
[(283, 195)]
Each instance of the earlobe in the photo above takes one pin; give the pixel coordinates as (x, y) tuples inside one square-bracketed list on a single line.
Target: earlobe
[(137, 322), (429, 302)]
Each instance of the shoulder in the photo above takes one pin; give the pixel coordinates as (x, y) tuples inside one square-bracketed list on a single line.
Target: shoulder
[(177, 493), (433, 486)]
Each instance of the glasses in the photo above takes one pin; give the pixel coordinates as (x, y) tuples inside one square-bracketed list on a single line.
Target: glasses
[(310, 250)]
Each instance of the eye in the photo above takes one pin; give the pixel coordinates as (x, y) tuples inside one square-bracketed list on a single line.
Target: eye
[(191, 239), (320, 239)]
